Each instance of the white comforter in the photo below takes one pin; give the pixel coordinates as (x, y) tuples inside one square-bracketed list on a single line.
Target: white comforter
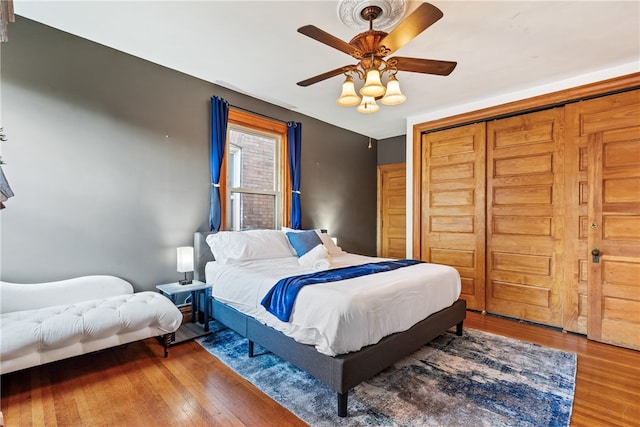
[(339, 317)]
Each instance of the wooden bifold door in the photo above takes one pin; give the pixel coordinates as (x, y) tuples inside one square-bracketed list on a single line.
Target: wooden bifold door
[(453, 205), (540, 214), (525, 211)]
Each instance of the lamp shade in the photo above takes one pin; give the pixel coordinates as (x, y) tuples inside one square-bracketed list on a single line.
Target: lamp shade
[(368, 105), (349, 97), (372, 86), (185, 259), (393, 95)]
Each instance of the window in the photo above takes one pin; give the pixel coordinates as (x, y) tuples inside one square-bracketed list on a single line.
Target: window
[(256, 173)]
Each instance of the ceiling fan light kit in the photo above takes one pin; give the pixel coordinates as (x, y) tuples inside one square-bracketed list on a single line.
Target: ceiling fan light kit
[(371, 47), (373, 89)]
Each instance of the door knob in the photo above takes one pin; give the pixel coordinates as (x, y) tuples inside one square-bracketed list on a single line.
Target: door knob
[(595, 255)]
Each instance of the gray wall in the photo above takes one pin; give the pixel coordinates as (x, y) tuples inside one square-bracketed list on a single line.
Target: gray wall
[(108, 158), (392, 150)]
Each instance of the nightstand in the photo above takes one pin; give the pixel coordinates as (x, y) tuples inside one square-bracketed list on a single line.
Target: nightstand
[(189, 331)]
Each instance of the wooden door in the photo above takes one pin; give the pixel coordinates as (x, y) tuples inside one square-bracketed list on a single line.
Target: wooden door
[(392, 211), (525, 210), (453, 205), (612, 127)]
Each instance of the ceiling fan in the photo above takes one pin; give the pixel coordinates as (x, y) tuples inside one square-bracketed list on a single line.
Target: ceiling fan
[(371, 48)]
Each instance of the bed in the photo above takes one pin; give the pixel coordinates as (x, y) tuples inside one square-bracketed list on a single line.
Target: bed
[(341, 354)]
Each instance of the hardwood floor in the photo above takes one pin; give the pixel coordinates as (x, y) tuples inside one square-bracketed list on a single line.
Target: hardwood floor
[(136, 386)]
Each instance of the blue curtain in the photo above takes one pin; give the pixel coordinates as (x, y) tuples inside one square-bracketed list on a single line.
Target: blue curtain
[(219, 120), (294, 141)]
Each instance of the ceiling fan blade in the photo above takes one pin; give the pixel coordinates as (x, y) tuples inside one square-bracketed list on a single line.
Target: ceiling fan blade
[(324, 76), (326, 38), (426, 66), (419, 20)]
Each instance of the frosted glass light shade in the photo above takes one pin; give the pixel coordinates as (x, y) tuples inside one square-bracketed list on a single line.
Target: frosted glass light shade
[(368, 105), (372, 86), (393, 96), (349, 97), (185, 259)]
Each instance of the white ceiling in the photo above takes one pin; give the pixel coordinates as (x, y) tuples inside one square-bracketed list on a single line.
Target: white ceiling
[(252, 47)]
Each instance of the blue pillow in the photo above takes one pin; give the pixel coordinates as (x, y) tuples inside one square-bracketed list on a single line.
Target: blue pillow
[(304, 241)]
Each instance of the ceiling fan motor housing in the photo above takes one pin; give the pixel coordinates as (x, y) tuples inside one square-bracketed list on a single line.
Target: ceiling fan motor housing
[(367, 43)]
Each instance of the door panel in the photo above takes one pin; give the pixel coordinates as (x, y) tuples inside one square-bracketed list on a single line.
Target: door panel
[(453, 200), (393, 210), (614, 211), (601, 299), (525, 216)]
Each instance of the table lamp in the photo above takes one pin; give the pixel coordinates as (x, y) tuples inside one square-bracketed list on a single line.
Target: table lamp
[(185, 262)]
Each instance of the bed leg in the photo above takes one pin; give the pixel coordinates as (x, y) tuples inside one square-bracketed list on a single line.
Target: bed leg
[(342, 404), (459, 329), (250, 348)]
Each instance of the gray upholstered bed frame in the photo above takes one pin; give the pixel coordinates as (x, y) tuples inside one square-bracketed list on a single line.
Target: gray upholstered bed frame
[(343, 372)]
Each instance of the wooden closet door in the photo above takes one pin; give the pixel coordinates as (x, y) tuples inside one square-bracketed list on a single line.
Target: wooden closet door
[(612, 126), (392, 210), (602, 299), (525, 216), (453, 205)]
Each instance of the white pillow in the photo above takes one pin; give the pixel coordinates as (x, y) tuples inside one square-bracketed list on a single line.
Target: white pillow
[(334, 250), (235, 246)]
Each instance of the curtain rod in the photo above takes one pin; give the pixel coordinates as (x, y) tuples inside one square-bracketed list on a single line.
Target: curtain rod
[(258, 114)]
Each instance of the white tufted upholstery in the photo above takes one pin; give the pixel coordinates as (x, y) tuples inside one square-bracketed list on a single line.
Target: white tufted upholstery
[(29, 296), (34, 337)]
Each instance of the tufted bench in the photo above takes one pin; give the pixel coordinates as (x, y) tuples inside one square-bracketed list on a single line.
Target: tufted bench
[(37, 327)]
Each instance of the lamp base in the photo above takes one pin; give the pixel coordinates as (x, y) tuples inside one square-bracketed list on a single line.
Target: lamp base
[(186, 280)]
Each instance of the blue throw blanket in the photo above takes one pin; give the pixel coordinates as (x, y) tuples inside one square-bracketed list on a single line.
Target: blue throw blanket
[(279, 300)]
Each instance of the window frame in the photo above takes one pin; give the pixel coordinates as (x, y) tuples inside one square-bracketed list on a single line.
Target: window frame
[(260, 124)]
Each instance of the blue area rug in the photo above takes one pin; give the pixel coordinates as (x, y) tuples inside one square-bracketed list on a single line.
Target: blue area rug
[(479, 379)]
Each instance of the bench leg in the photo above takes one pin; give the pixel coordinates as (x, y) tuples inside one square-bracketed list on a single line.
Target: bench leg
[(166, 340)]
